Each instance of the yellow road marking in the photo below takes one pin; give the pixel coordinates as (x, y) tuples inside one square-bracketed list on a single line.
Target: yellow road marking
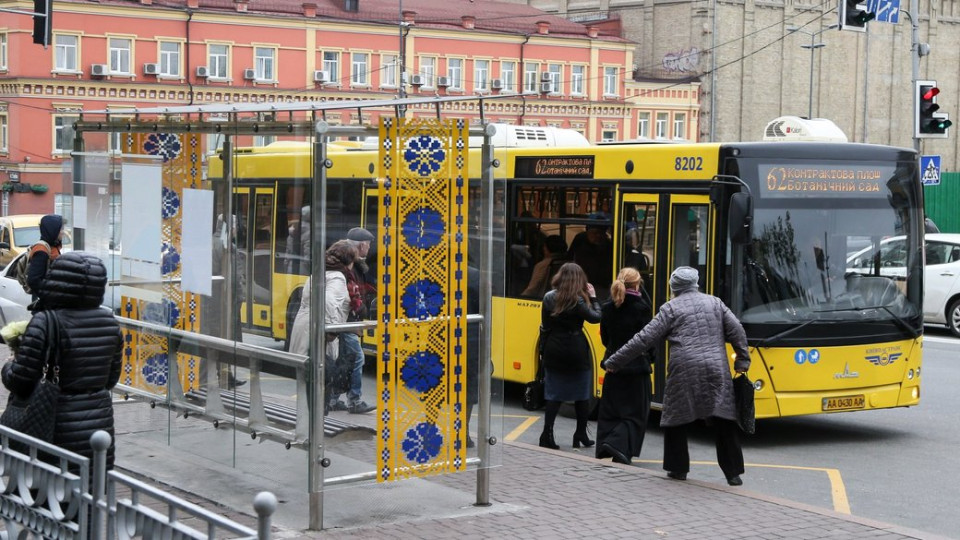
[(837, 490), (525, 425)]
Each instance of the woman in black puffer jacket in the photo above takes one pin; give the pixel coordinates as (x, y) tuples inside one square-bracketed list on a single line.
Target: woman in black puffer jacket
[(90, 351)]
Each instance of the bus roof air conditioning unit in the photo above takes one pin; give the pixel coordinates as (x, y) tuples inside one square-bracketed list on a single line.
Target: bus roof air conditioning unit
[(321, 76), (443, 82), (250, 74), (98, 70), (151, 69), (203, 72), (795, 128)]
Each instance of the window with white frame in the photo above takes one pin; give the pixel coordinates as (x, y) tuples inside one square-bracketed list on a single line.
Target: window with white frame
[(264, 63), (679, 125), (65, 52), (359, 69), (608, 135), (120, 54), (577, 77), (115, 142), (610, 81), (388, 73), (169, 58), (331, 64), (643, 124), (455, 73), (218, 58), (481, 75), (63, 204), (556, 76), (4, 133), (508, 76), (531, 76), (661, 125), (63, 133), (3, 50), (428, 70), (263, 140)]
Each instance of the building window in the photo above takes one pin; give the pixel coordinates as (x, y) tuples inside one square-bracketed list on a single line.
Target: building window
[(608, 135), (63, 133), (531, 76), (679, 126), (428, 70), (263, 140), (508, 76), (3, 51), (481, 75), (4, 134), (455, 73), (120, 54), (661, 127), (64, 53), (331, 64), (169, 59), (388, 74), (218, 61), (577, 75), (610, 81), (264, 59), (358, 69), (63, 204), (643, 125), (556, 73)]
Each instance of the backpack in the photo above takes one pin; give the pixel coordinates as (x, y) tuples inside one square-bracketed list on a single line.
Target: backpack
[(23, 263)]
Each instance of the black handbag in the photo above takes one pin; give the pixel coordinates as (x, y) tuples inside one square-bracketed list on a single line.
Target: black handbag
[(533, 396), (743, 396), (36, 416)]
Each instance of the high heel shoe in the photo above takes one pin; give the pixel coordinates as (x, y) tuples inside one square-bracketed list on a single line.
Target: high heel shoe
[(582, 439), (546, 441)]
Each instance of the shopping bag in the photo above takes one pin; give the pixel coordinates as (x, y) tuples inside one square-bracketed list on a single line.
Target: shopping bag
[(743, 396)]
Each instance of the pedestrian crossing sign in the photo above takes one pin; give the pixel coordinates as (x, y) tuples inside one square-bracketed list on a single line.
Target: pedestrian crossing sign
[(930, 170)]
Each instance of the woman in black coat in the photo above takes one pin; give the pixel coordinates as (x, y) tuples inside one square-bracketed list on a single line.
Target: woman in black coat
[(90, 351), (625, 404), (565, 352)]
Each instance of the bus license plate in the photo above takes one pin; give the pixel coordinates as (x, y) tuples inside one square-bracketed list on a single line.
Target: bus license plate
[(841, 403)]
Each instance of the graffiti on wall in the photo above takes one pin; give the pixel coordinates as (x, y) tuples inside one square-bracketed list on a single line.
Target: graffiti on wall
[(684, 60)]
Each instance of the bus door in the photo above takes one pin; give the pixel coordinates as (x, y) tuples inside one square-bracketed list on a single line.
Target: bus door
[(255, 237)]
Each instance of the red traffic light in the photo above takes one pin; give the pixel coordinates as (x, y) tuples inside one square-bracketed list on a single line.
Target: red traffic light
[(931, 93)]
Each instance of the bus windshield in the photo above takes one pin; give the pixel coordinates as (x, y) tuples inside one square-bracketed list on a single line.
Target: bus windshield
[(846, 256)]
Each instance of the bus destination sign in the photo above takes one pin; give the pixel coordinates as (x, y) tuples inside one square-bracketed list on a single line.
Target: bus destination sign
[(554, 167), (829, 180)]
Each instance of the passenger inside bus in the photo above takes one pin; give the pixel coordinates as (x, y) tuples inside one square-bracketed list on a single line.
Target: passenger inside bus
[(554, 255), (592, 249)]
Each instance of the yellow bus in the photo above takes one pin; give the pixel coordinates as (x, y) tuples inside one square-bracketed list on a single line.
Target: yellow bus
[(771, 227)]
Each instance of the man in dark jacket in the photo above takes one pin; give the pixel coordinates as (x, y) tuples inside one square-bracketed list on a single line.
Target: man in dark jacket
[(51, 233), (89, 351)]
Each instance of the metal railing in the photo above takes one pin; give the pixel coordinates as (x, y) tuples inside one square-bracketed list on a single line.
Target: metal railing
[(48, 492)]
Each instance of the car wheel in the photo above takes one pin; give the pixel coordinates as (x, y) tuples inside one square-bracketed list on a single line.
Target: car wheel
[(953, 317)]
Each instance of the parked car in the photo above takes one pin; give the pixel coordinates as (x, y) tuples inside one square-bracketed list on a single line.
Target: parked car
[(13, 299), (941, 289), (18, 233)]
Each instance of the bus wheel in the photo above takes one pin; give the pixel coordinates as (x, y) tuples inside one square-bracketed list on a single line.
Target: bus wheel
[(293, 306)]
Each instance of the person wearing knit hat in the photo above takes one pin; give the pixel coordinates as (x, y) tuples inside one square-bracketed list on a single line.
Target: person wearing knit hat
[(698, 384)]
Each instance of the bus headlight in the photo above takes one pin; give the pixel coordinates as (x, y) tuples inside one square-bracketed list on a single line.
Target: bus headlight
[(758, 385), (910, 374)]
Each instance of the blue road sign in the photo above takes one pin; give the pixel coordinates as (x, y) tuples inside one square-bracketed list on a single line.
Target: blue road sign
[(930, 170), (887, 10)]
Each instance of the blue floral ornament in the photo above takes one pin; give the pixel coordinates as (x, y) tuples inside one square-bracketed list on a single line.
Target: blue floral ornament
[(423, 228), (423, 442), (154, 370), (422, 371), (422, 299), (165, 145), (171, 203), (163, 313), (424, 154), (169, 259)]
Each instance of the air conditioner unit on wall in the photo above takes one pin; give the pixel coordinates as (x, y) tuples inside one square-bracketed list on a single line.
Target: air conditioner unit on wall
[(416, 80), (250, 74), (496, 84), (545, 76), (546, 87), (99, 70), (321, 76), (203, 72), (151, 69), (443, 82)]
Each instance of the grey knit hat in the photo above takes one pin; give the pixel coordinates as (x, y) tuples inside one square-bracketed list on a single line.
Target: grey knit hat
[(684, 278)]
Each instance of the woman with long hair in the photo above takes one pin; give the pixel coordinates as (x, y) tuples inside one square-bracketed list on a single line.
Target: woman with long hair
[(564, 351), (625, 403)]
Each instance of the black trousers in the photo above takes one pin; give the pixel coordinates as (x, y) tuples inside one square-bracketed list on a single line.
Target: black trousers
[(676, 455)]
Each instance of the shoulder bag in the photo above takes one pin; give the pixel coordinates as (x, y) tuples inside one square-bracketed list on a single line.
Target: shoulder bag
[(743, 395), (533, 396), (37, 415)]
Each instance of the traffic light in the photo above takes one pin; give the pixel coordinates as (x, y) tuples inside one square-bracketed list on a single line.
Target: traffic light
[(854, 15), (929, 123), (42, 21)]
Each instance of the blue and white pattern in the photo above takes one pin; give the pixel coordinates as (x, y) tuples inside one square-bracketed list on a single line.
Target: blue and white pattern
[(155, 370), (165, 145), (424, 154), (423, 442), (422, 371), (423, 228), (164, 313), (171, 203), (422, 299), (169, 259)]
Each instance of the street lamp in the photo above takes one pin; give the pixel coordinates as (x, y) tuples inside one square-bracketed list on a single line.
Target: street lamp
[(813, 46)]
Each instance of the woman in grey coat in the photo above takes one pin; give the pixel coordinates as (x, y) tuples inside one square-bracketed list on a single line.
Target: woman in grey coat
[(698, 385)]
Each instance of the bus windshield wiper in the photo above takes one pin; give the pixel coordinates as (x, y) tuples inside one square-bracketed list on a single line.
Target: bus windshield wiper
[(897, 319), (765, 342)]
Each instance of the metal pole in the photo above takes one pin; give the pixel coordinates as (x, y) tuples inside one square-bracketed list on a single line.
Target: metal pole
[(100, 442), (713, 75), (810, 97), (484, 440), (318, 239), (915, 63), (866, 85)]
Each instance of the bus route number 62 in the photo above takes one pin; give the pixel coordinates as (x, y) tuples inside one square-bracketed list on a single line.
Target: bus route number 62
[(688, 163)]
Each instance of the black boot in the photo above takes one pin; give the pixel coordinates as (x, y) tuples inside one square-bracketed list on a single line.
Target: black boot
[(580, 436), (546, 440)]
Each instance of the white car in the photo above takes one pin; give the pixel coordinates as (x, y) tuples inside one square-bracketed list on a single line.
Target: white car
[(941, 286), (13, 299)]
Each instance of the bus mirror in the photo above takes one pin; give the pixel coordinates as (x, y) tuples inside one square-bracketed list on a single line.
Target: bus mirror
[(741, 217)]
